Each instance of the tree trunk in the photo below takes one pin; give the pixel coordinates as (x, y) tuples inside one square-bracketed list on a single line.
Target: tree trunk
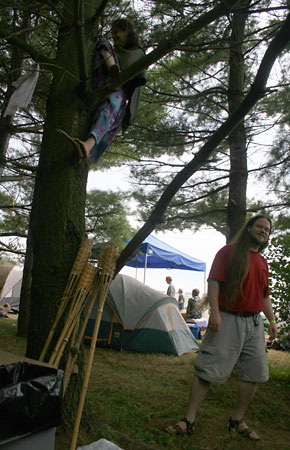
[(59, 205), (237, 201)]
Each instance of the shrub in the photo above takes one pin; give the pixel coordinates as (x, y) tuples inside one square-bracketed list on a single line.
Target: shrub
[(279, 277)]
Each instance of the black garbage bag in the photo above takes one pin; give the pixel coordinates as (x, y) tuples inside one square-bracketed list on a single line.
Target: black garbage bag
[(30, 399)]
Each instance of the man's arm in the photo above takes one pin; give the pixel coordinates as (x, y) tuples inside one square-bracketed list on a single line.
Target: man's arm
[(268, 311), (213, 298)]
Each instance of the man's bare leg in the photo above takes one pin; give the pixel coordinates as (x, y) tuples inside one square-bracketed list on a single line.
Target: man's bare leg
[(199, 389), (245, 393)]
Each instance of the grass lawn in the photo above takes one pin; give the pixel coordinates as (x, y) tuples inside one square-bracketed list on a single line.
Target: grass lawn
[(132, 397)]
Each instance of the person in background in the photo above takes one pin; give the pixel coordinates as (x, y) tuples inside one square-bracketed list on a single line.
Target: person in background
[(171, 289), (191, 312), (238, 290), (181, 299)]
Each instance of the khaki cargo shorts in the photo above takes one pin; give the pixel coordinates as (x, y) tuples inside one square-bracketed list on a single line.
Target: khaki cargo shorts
[(238, 343)]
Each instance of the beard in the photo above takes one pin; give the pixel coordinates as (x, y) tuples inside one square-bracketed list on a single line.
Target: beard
[(255, 241)]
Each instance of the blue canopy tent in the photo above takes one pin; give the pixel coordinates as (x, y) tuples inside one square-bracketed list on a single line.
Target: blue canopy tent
[(155, 254)]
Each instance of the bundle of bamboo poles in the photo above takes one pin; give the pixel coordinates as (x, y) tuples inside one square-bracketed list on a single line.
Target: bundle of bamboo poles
[(77, 336), (85, 284), (105, 273), (79, 299), (77, 269)]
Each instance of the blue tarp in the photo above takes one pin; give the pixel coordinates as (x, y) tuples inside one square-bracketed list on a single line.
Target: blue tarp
[(155, 254)]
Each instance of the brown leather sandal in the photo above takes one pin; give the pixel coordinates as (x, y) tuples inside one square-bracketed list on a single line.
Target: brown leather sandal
[(176, 429), (234, 425)]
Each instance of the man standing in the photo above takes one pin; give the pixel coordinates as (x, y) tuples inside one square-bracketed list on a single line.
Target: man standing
[(237, 292), (171, 289)]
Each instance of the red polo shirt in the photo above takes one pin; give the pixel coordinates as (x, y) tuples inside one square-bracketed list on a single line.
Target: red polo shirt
[(256, 284)]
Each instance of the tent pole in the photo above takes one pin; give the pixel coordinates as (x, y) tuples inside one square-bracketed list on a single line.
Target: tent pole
[(136, 266), (145, 266)]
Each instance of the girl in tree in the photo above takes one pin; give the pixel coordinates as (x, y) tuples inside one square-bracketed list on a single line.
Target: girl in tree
[(120, 108)]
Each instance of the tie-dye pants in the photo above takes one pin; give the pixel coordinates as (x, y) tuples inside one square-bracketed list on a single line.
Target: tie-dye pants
[(106, 123)]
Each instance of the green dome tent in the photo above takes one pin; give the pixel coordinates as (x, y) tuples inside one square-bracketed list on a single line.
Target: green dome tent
[(139, 318)]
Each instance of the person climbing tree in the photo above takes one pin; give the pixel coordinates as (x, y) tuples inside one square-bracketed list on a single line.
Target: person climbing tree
[(121, 106)]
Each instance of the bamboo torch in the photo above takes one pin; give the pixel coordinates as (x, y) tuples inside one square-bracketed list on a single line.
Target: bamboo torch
[(106, 268), (78, 266), (82, 291), (76, 343)]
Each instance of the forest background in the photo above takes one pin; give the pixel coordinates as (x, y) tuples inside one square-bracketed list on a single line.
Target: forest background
[(211, 122)]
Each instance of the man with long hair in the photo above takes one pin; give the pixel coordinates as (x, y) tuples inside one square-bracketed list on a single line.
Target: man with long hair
[(238, 291)]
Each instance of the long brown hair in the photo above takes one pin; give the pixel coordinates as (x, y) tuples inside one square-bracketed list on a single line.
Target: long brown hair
[(125, 25), (238, 265)]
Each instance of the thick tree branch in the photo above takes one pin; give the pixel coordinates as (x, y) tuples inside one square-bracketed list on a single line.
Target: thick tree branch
[(10, 178), (197, 216), (256, 92), (222, 229), (201, 197), (16, 129), (8, 249), (26, 47), (16, 207), (270, 205), (21, 235)]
